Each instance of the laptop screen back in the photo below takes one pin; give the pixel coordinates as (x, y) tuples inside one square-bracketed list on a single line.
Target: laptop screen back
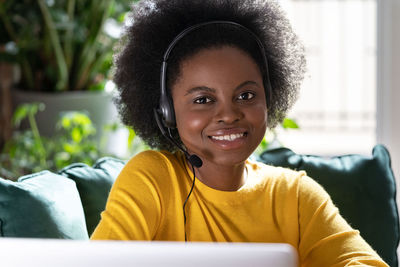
[(46, 252)]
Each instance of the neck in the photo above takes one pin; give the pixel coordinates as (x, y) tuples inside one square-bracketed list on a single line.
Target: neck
[(225, 178)]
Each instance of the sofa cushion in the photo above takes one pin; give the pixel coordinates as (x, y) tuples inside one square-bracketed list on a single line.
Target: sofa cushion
[(94, 184), (43, 205), (362, 187)]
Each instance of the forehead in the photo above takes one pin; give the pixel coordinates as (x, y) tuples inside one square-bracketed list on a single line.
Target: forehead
[(221, 65)]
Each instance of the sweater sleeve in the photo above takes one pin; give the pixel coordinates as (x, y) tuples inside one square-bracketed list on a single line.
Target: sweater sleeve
[(326, 239), (134, 206)]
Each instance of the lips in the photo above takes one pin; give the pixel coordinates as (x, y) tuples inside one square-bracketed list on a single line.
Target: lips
[(228, 137)]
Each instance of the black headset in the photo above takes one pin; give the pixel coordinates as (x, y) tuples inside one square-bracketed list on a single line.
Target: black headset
[(165, 114), (166, 107)]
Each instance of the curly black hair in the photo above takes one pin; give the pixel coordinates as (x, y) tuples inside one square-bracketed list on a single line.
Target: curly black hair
[(155, 23)]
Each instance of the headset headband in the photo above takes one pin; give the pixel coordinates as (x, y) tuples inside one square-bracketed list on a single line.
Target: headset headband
[(166, 107), (196, 26)]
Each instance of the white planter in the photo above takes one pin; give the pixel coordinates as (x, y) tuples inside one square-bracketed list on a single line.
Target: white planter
[(98, 105)]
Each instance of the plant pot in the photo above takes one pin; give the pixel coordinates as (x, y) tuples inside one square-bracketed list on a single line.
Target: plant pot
[(98, 105)]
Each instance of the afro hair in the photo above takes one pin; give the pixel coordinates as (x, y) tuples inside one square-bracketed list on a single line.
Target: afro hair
[(155, 23)]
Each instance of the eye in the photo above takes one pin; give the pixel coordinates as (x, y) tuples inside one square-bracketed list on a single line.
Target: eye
[(202, 100), (246, 96)]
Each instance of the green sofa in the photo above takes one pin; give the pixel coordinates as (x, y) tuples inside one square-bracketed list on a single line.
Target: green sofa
[(63, 205), (68, 204)]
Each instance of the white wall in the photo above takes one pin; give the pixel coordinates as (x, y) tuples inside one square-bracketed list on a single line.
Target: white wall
[(337, 104), (388, 88)]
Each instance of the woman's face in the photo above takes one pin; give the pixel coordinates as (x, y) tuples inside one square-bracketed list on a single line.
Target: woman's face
[(220, 106)]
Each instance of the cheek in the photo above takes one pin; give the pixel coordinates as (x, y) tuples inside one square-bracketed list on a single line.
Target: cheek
[(259, 116), (259, 122), (190, 123)]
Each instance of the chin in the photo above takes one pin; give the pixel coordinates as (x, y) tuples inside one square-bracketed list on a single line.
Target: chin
[(226, 158)]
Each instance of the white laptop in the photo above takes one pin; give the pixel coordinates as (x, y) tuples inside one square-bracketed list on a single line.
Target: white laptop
[(18, 252)]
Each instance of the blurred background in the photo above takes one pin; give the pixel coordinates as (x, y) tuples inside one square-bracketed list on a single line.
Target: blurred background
[(56, 92), (337, 105), (350, 97)]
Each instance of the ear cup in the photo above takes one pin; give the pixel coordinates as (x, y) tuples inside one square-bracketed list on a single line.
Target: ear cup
[(166, 106), (167, 111)]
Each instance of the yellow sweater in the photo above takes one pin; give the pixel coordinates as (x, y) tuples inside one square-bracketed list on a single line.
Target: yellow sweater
[(274, 205)]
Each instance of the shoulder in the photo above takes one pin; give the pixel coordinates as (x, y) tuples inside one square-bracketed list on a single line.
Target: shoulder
[(275, 175), (153, 161), (151, 157), (149, 167), (285, 179)]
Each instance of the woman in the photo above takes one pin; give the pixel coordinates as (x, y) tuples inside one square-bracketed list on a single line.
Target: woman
[(229, 69)]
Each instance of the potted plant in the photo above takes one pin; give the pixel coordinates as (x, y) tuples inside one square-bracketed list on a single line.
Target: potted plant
[(63, 52), (28, 152), (73, 142)]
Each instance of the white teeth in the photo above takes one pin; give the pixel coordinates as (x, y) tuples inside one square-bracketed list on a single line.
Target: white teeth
[(229, 137)]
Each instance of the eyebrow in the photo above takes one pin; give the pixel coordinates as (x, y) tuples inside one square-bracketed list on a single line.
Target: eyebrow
[(200, 88), (247, 83), (212, 90)]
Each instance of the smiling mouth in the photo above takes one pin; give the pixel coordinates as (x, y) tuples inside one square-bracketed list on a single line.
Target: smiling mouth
[(228, 137)]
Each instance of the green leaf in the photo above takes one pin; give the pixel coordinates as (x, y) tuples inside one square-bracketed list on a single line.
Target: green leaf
[(80, 118), (68, 148), (97, 86), (264, 143), (65, 122), (20, 113), (111, 127), (23, 110), (131, 137), (76, 135), (289, 124)]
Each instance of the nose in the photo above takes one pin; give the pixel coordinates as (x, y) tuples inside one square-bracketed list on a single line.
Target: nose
[(228, 113)]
